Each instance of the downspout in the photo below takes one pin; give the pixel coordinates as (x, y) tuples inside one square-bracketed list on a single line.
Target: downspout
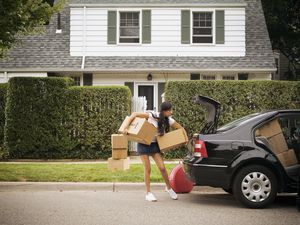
[(84, 38)]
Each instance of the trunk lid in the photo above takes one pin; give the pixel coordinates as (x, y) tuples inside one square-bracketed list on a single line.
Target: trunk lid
[(213, 112)]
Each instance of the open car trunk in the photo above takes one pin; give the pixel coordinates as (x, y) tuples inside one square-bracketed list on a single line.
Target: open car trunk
[(213, 112)]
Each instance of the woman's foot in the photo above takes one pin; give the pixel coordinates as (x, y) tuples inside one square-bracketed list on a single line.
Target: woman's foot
[(150, 197), (172, 193)]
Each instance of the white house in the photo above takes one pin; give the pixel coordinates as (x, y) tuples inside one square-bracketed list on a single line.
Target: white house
[(144, 43)]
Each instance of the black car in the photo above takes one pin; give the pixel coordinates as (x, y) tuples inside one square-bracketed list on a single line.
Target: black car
[(254, 157)]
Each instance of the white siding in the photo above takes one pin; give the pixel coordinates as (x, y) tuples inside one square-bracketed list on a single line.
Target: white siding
[(5, 77), (91, 39)]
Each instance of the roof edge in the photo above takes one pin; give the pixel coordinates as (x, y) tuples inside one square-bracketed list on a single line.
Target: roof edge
[(244, 70), (157, 5)]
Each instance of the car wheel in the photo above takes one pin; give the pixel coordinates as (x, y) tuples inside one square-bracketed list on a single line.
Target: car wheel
[(229, 190), (255, 186)]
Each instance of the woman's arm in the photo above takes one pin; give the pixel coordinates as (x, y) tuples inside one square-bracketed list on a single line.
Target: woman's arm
[(132, 116)]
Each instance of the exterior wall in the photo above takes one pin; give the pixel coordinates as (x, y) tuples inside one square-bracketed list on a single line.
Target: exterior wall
[(88, 35), (4, 77)]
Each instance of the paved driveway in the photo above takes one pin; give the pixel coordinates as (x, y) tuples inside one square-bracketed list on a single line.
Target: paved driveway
[(107, 207)]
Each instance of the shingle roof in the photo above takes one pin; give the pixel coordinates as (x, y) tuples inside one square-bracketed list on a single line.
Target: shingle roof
[(109, 2), (50, 52)]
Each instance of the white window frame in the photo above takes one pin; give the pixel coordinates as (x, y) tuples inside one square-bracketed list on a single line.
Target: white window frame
[(155, 89), (213, 26), (118, 26)]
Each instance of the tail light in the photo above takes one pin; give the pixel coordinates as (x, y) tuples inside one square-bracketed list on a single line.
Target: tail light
[(200, 149)]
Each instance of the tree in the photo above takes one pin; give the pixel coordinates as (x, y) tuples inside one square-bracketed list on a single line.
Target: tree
[(283, 22), (24, 17)]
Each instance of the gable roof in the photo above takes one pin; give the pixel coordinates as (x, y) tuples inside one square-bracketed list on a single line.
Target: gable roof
[(51, 52)]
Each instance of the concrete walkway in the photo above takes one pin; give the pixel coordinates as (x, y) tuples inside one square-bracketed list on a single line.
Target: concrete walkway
[(133, 160)]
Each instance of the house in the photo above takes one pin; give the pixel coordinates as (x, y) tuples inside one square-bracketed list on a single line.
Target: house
[(144, 43)]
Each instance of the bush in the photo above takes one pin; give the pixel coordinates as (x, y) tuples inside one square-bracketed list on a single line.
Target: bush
[(238, 98), (47, 118), (3, 90)]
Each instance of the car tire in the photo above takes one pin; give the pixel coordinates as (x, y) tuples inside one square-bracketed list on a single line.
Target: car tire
[(229, 190), (255, 186)]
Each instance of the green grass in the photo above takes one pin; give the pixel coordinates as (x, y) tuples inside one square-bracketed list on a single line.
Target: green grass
[(76, 173)]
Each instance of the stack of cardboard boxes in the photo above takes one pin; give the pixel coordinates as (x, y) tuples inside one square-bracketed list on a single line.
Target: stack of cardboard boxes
[(119, 159), (141, 131), (273, 132)]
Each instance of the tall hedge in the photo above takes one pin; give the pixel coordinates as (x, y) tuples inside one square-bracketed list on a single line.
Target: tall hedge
[(238, 98), (50, 118), (3, 90)]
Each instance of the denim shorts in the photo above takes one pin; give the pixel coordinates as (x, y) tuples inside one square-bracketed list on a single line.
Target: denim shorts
[(143, 149)]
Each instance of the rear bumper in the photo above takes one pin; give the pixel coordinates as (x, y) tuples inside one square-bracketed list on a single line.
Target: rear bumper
[(207, 175)]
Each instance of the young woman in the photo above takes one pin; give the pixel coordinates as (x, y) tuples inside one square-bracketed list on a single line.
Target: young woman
[(163, 121)]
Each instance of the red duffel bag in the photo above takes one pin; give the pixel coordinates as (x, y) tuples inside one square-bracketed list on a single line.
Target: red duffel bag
[(178, 180)]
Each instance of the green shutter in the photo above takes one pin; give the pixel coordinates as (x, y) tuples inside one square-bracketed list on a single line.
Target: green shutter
[(87, 79), (161, 90), (185, 26), (131, 87), (112, 27), (146, 26), (220, 28)]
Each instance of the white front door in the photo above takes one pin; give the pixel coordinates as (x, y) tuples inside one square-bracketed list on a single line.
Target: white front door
[(149, 90)]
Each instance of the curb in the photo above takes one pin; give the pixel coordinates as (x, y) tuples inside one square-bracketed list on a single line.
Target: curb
[(90, 186)]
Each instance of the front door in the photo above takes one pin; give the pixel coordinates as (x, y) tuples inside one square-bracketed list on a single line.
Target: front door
[(148, 92)]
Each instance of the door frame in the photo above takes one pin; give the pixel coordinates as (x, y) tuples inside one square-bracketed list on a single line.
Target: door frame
[(155, 88)]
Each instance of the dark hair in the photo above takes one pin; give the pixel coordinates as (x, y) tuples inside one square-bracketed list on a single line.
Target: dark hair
[(163, 122)]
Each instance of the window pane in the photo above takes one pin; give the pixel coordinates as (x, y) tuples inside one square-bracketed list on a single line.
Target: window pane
[(202, 39), (129, 40), (202, 31), (129, 32)]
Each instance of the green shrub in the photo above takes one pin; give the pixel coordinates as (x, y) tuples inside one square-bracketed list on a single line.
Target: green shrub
[(47, 118), (3, 90), (238, 98)]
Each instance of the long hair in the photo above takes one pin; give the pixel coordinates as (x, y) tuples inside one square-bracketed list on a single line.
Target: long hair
[(163, 122)]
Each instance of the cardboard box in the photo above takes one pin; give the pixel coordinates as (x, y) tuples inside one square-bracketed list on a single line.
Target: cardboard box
[(119, 141), (118, 164), (119, 153), (270, 129), (139, 130), (278, 143), (172, 140), (288, 158)]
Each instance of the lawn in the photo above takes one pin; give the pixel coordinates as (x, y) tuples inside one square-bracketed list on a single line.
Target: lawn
[(76, 173)]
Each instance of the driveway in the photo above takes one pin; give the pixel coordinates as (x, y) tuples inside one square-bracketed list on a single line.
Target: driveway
[(42, 206)]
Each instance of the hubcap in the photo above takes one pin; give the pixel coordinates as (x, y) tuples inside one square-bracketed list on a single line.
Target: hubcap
[(256, 187)]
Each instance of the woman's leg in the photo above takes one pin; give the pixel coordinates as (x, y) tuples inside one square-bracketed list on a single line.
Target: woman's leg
[(161, 166), (147, 171)]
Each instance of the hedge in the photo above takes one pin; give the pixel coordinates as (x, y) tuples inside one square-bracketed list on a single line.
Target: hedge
[(3, 90), (50, 118), (238, 98)]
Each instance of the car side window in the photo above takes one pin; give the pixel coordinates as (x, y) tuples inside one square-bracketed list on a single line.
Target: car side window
[(290, 125)]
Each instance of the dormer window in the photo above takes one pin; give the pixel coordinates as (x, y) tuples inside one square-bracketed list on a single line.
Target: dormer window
[(129, 27)]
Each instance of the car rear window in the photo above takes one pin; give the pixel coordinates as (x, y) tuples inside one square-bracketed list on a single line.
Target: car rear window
[(236, 123)]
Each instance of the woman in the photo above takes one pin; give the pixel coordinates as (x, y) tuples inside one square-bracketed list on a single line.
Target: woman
[(163, 121)]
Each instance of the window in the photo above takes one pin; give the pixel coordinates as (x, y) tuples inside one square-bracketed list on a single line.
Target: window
[(129, 27), (208, 77), (228, 77), (202, 27), (195, 76), (77, 80)]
